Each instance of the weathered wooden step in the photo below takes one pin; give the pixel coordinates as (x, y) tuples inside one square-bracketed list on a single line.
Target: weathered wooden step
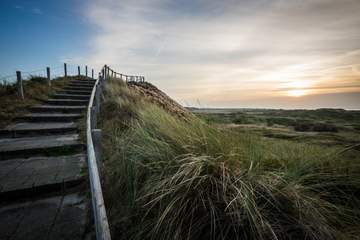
[(35, 129), (81, 84), (67, 102), (71, 96), (51, 117), (89, 89), (58, 109), (87, 85), (33, 176), (77, 92), (57, 217), (34, 146), (83, 81)]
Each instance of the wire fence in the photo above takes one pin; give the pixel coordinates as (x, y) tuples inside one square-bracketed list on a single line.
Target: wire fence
[(48, 74)]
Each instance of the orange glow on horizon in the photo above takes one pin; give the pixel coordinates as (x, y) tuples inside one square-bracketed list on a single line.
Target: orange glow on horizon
[(296, 93)]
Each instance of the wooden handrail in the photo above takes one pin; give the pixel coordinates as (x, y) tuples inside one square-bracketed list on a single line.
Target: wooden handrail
[(99, 211)]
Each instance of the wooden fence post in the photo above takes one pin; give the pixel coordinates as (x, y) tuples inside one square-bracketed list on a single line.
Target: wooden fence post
[(19, 84), (78, 70), (92, 73), (86, 72), (48, 76), (65, 70)]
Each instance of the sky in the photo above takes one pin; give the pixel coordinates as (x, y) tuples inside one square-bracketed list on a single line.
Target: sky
[(202, 53)]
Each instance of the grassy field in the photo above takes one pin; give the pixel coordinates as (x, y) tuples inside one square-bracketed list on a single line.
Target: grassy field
[(210, 177), (332, 127)]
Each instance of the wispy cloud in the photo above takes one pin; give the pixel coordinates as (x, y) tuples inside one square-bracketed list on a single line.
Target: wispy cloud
[(37, 11), (207, 49), (34, 10)]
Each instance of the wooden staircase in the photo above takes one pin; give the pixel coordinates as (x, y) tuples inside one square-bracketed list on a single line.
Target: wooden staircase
[(42, 160)]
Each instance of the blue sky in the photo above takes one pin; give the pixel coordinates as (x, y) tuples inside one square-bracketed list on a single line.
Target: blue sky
[(209, 53), (39, 33)]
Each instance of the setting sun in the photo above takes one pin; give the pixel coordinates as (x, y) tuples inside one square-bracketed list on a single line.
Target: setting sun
[(296, 93)]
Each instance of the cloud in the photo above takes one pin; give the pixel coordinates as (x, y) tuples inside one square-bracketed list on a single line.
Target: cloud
[(205, 49), (37, 11)]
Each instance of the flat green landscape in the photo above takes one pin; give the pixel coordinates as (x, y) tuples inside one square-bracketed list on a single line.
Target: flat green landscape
[(326, 127)]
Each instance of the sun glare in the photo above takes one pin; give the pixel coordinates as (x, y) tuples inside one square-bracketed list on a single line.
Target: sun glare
[(296, 93)]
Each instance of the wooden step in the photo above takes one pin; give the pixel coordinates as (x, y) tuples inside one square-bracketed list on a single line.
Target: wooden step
[(33, 176), (51, 117), (58, 109), (83, 81), (35, 129), (67, 102), (54, 217), (76, 84), (34, 146), (88, 89), (77, 92), (71, 96)]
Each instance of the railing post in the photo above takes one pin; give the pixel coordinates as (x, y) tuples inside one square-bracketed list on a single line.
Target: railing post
[(65, 70), (19, 84), (86, 71), (103, 73), (48, 76), (78, 70), (92, 73)]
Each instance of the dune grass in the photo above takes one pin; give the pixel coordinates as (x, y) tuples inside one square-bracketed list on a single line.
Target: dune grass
[(170, 178)]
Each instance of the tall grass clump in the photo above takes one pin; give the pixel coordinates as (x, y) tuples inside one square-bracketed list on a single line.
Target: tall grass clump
[(170, 178)]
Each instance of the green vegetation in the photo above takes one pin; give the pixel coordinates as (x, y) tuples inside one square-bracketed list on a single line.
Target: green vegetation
[(321, 126), (171, 178)]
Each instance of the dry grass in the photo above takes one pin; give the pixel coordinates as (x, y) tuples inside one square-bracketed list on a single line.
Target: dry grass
[(166, 178)]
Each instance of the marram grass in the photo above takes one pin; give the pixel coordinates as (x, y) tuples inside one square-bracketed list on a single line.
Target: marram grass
[(169, 178)]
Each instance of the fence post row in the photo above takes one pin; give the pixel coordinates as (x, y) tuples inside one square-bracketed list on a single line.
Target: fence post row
[(19, 84), (65, 70), (48, 76)]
